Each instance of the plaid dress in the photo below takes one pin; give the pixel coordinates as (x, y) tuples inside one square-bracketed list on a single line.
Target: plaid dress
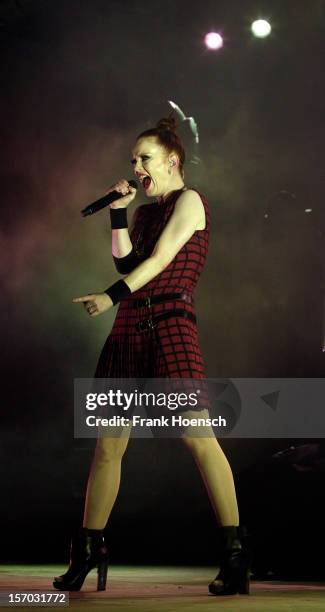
[(171, 349)]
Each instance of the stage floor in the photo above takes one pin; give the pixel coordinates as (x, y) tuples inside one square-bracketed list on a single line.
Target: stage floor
[(163, 589)]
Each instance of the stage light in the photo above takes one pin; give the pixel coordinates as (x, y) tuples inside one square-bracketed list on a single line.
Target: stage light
[(261, 28), (213, 41)]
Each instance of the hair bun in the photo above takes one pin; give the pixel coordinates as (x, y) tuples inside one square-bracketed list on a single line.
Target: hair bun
[(167, 124)]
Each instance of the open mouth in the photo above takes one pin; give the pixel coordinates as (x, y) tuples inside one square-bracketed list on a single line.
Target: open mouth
[(146, 182)]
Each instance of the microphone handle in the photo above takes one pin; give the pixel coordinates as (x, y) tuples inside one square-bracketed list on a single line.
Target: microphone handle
[(105, 201)]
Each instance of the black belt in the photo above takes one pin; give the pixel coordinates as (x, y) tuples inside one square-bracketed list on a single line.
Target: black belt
[(163, 297), (150, 323)]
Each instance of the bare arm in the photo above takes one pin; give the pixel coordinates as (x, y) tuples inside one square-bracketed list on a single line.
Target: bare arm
[(186, 217), (125, 263), (188, 214), (124, 256), (121, 243)]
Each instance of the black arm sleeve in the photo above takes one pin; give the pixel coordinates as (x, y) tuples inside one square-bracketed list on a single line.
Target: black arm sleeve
[(126, 264)]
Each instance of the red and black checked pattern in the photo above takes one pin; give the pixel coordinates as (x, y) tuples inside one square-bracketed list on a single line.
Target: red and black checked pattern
[(171, 349)]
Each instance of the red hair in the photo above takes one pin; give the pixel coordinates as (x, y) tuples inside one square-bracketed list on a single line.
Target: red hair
[(165, 132)]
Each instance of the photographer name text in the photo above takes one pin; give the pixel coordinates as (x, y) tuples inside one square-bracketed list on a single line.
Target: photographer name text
[(163, 421)]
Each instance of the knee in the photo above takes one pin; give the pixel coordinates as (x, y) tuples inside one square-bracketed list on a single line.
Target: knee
[(199, 446), (110, 449)]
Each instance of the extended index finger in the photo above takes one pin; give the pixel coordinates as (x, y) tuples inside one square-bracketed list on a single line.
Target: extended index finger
[(84, 298)]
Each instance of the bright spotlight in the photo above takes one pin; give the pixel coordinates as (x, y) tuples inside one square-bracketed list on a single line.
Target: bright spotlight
[(213, 40), (261, 28)]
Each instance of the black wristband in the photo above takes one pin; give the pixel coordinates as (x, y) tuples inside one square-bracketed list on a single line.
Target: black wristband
[(118, 217), (118, 291)]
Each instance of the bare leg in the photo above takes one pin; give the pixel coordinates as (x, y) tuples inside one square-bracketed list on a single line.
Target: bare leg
[(88, 548), (104, 479), (216, 473)]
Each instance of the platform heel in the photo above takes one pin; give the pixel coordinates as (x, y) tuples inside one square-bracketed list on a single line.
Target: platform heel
[(233, 576), (102, 570), (88, 551)]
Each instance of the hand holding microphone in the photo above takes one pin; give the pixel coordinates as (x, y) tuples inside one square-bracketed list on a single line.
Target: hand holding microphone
[(127, 192), (122, 193)]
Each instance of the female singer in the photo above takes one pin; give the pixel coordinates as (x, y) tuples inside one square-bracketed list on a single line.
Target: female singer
[(155, 335)]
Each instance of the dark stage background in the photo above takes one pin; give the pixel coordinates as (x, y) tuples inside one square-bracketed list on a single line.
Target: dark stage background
[(79, 80)]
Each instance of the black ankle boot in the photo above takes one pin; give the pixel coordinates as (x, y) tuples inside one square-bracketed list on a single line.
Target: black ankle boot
[(234, 568), (88, 550)]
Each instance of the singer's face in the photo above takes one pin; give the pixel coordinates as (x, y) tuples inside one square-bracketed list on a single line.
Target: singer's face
[(151, 162)]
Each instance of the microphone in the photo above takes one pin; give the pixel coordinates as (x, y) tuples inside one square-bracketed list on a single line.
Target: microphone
[(105, 201)]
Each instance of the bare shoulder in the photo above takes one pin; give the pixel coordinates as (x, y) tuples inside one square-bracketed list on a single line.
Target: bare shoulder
[(191, 201)]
